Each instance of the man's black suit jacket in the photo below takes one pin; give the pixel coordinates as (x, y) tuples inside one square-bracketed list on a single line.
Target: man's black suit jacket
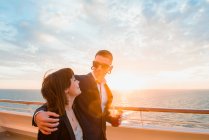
[(88, 103)]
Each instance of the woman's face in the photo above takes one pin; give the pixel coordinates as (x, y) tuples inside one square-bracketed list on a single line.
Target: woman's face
[(74, 89)]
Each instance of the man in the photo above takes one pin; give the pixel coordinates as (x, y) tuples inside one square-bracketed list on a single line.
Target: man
[(92, 104)]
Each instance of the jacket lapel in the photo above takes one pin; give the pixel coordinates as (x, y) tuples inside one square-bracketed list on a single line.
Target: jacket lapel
[(69, 127), (93, 84)]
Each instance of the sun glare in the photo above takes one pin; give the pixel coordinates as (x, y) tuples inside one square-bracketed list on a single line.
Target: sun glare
[(124, 82)]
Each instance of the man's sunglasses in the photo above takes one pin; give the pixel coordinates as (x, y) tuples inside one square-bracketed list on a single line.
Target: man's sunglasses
[(97, 64)]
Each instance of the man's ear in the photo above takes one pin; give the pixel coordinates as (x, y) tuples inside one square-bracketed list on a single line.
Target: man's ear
[(92, 68), (110, 70)]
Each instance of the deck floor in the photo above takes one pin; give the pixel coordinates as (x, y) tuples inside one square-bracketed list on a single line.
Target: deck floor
[(12, 136)]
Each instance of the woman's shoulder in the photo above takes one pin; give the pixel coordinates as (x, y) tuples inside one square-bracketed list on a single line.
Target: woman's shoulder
[(61, 132)]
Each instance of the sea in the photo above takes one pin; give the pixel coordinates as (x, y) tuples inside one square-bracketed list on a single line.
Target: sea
[(150, 98)]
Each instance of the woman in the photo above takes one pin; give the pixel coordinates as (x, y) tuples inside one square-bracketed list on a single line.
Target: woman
[(60, 89)]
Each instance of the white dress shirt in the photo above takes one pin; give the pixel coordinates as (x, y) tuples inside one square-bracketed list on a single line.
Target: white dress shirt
[(102, 92)]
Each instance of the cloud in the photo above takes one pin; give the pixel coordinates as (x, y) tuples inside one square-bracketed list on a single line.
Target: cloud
[(59, 15), (157, 38), (7, 32)]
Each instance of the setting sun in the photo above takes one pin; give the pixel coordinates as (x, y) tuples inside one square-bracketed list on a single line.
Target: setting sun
[(125, 81)]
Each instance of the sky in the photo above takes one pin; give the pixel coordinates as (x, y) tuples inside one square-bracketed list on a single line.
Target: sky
[(156, 44)]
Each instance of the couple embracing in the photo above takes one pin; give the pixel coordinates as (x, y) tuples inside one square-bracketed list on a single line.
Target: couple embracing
[(77, 106)]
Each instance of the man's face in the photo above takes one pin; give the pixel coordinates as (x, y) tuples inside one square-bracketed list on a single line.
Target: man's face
[(102, 65)]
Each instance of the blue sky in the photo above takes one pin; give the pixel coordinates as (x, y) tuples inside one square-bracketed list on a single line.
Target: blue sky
[(155, 43)]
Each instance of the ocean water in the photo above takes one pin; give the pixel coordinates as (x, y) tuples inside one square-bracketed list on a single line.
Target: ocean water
[(181, 99)]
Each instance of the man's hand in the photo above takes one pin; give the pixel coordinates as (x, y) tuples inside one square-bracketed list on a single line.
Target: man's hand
[(45, 123), (116, 121), (116, 118)]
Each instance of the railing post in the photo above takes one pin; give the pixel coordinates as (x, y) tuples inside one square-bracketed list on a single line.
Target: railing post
[(141, 118)]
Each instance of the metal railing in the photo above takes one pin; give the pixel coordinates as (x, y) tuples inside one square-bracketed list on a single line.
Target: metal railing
[(143, 109), (141, 120), (27, 103), (21, 102)]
